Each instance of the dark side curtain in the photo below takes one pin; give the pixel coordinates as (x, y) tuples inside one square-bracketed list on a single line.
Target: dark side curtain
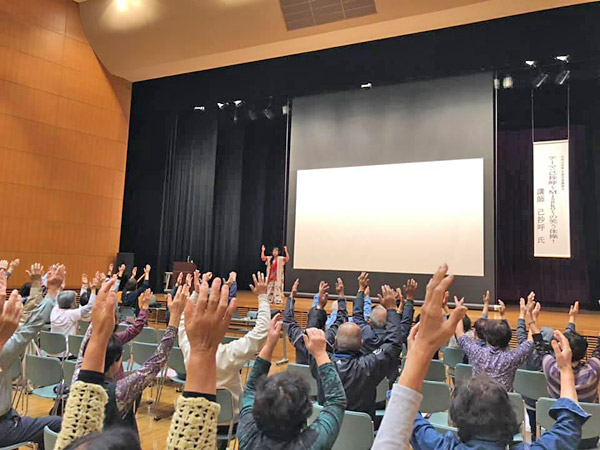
[(223, 193)]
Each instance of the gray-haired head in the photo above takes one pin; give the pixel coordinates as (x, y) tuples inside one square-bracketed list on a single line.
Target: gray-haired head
[(66, 299)]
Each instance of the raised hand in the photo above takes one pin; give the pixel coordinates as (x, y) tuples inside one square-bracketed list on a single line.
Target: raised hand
[(562, 350), (295, 287), (207, 321), (260, 284), (530, 298), (84, 279), (179, 279), (146, 297), (574, 309), (316, 344), (323, 295), (339, 288), (535, 313), (3, 283), (273, 336), (522, 308), (147, 269), (206, 277), (363, 281), (486, 298), (410, 288), (502, 308), (197, 281), (56, 278), (400, 300), (10, 314), (97, 280), (188, 280), (368, 291), (103, 311), (262, 248), (232, 278), (387, 298), (13, 265), (176, 305), (3, 264)]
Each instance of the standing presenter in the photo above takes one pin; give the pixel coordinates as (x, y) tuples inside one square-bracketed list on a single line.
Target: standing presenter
[(275, 268)]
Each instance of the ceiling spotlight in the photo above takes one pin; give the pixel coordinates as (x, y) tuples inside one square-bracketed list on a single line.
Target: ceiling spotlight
[(238, 103), (221, 105), (540, 79), (199, 108), (531, 63), (562, 58), (366, 85), (507, 82), (562, 76)]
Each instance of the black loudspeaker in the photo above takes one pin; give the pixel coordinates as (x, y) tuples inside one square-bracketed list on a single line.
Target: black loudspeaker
[(127, 259)]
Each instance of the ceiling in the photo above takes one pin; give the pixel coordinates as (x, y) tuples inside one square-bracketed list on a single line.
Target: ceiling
[(145, 39)]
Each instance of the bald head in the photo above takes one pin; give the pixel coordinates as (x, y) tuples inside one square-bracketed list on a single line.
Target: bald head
[(348, 337), (378, 317)]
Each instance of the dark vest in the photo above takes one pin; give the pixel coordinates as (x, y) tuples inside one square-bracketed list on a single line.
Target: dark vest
[(112, 416)]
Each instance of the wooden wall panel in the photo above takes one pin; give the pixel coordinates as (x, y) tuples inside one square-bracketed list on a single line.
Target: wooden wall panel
[(63, 141)]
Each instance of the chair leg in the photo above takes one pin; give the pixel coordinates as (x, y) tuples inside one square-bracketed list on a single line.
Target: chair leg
[(159, 390)]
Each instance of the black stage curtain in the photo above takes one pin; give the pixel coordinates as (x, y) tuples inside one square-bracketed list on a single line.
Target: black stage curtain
[(217, 196)]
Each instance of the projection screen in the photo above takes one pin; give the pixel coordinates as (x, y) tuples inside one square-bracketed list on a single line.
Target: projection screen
[(394, 180)]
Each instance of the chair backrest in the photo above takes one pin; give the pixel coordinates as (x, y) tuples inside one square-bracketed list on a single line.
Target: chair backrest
[(148, 336), (126, 356), (304, 371), (227, 339), (530, 384), (176, 361), (68, 370), (49, 438), (54, 343), (125, 312), (436, 397), (142, 351), (462, 373), (382, 390), (75, 341), (590, 429), (121, 327), (436, 371), (516, 401), (43, 371), (356, 433), (83, 326), (453, 356), (225, 399), (252, 315)]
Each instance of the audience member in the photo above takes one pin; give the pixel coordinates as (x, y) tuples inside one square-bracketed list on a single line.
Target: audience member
[(13, 427), (131, 291), (496, 359), (275, 409)]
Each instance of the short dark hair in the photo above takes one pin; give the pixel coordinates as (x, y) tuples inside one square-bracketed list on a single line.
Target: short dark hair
[(578, 345), (481, 406), (130, 285), (84, 298), (466, 323), (480, 328), (25, 290), (498, 333), (282, 405), (113, 438), (114, 351)]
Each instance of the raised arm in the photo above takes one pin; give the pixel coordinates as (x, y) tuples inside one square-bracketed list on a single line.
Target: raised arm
[(84, 413), (290, 325), (329, 421), (424, 340), (10, 313), (132, 385), (573, 313), (194, 424), (262, 253), (243, 349), (36, 294), (521, 328), (286, 257), (486, 305), (358, 314), (408, 310)]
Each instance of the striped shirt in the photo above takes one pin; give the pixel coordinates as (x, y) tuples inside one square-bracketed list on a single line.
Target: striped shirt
[(587, 374)]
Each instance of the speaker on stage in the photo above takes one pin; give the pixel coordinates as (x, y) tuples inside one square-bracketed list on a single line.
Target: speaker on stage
[(125, 258)]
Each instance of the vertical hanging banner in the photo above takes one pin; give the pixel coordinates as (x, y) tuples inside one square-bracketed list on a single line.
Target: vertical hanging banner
[(551, 217)]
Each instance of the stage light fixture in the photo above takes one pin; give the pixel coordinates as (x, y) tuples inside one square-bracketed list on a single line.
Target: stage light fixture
[(221, 105), (366, 85), (540, 79), (562, 77), (238, 103), (562, 58), (531, 63), (199, 108), (496, 83), (285, 109), (507, 82)]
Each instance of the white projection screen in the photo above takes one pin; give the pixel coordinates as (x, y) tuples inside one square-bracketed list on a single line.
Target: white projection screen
[(416, 214)]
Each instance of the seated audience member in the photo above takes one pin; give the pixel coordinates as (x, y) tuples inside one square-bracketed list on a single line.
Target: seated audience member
[(131, 292), (123, 392), (468, 325), (231, 357), (373, 330), (360, 373), (275, 409), (496, 359), (194, 422), (124, 336), (13, 427)]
